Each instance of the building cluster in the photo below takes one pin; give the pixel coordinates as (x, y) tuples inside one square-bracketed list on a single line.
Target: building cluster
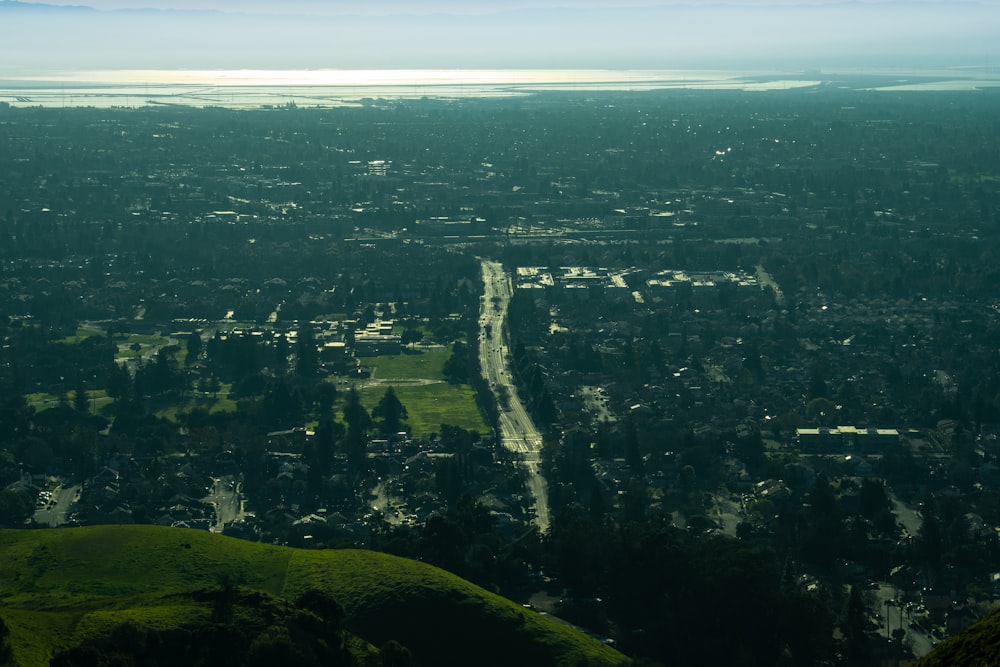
[(839, 438), (575, 282), (698, 287), (375, 339)]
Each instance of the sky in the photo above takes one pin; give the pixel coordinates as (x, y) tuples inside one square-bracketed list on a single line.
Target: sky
[(786, 35)]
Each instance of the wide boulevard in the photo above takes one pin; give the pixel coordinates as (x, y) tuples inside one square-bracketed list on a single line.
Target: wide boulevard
[(517, 430)]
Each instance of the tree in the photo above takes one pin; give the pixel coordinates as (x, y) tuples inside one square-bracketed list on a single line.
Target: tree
[(390, 412), (853, 626), (821, 410), (6, 654), (411, 335), (324, 394), (354, 413), (456, 368), (872, 498), (324, 606), (358, 422), (193, 348), (394, 654), (324, 444), (118, 381), (930, 543), (687, 478), (306, 352), (282, 405), (80, 401), (225, 599), (817, 385), (15, 508), (448, 479)]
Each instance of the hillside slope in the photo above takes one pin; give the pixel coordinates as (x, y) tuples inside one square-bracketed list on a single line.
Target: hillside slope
[(59, 588), (976, 646)]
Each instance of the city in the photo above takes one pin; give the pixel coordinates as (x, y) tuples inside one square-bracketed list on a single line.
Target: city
[(616, 356)]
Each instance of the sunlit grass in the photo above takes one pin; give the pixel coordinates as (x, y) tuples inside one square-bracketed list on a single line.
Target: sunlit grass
[(425, 364), (431, 405), (97, 399), (418, 380), (171, 407), (84, 330), (64, 586)]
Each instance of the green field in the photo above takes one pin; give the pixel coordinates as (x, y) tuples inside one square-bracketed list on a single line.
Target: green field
[(63, 586), (425, 364), (148, 343), (221, 403), (431, 405), (419, 384), (84, 330), (98, 399), (416, 376)]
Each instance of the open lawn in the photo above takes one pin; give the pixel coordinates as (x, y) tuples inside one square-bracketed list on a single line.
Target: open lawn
[(430, 405), (416, 376), (419, 384), (84, 330), (221, 403), (422, 364), (98, 399)]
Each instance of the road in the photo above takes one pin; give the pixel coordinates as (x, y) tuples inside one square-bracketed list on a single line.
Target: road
[(390, 509), (55, 510), (764, 279), (517, 430), (892, 613), (228, 501), (908, 517)]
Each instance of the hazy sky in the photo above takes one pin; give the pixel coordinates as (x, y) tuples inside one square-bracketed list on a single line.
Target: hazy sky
[(340, 7), (463, 34)]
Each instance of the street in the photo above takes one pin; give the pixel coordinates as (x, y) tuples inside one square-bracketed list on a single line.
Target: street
[(53, 513), (517, 430), (228, 502)]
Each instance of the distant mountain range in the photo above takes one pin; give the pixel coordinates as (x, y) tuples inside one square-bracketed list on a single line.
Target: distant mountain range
[(36, 37)]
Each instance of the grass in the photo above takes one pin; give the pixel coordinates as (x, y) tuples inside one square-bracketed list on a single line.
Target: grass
[(35, 633), (169, 408), (148, 344), (419, 383), (431, 405), (146, 340), (97, 398), (417, 377), (423, 365), (60, 587), (84, 330)]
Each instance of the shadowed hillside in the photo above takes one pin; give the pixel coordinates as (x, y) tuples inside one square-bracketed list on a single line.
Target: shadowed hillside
[(977, 645)]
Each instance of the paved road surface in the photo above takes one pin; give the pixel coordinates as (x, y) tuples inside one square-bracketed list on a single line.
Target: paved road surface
[(517, 430), (54, 512), (228, 501)]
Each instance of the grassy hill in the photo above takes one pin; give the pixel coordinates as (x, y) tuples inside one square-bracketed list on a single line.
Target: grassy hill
[(60, 588), (976, 646)]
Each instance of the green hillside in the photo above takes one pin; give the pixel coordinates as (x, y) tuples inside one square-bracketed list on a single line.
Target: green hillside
[(61, 588), (976, 646)]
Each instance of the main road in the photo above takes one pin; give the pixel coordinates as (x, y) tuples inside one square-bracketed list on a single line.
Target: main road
[(517, 430)]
